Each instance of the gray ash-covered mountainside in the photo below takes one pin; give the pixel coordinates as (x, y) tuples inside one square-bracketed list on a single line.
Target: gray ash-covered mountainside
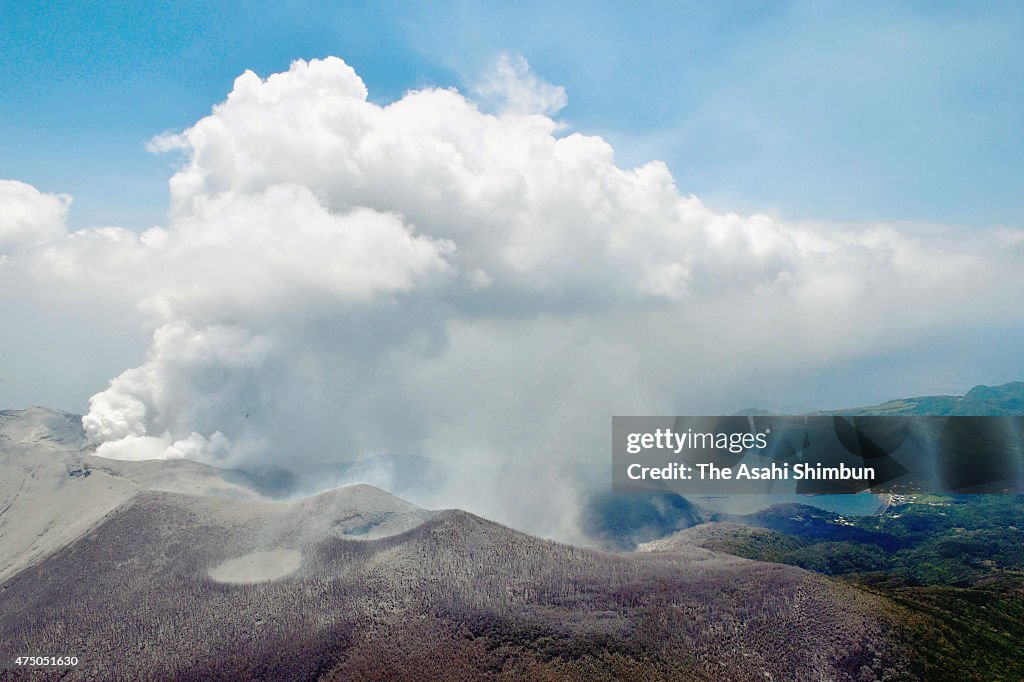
[(52, 489), (173, 570), (143, 593)]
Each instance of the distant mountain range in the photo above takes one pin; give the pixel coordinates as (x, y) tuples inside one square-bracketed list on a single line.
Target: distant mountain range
[(980, 401)]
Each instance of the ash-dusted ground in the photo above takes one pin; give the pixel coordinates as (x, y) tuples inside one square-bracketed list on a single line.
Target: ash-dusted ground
[(52, 490), (169, 570), (257, 567)]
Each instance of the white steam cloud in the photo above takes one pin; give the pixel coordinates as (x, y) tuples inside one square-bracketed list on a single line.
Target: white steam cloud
[(339, 279)]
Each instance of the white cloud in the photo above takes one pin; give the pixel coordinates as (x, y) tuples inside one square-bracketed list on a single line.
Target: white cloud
[(535, 213), (340, 278), (29, 216), (511, 87)]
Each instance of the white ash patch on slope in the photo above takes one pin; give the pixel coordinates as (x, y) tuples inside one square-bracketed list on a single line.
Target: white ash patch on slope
[(257, 567)]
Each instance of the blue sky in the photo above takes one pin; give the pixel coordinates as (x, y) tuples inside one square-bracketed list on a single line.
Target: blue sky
[(835, 111)]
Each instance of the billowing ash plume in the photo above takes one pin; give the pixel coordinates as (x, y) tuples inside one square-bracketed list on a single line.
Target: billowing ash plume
[(339, 279)]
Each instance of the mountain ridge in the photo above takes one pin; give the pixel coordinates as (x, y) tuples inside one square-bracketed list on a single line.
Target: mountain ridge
[(145, 578), (982, 400), (177, 569)]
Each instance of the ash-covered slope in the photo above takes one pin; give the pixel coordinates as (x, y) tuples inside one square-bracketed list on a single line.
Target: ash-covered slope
[(176, 570), (52, 489), (357, 584)]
